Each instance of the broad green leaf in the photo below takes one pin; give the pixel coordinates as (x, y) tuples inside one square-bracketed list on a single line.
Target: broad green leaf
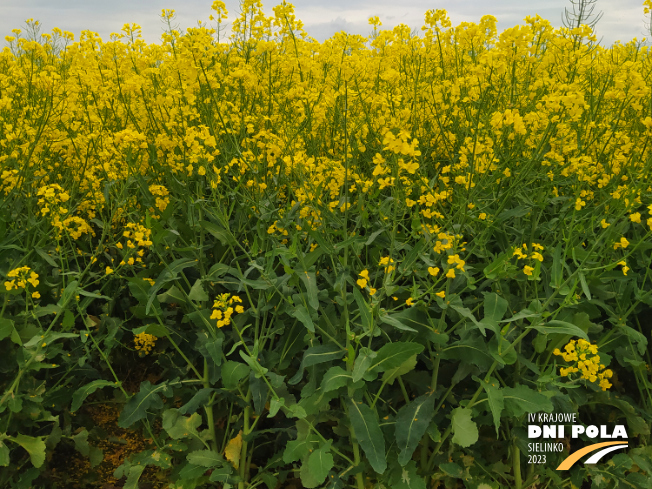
[(495, 307), (363, 308), (525, 313), (205, 458), (497, 267), (197, 292), (495, 400), (297, 449), (83, 392), (407, 366), (199, 399), (233, 373), (302, 314), (172, 295), (4, 455), (81, 442), (412, 421), (95, 456), (367, 431), (408, 478), (179, 426), (392, 355), (224, 236), (392, 321), (320, 463), (561, 327), (310, 282), (465, 431), (147, 398), (362, 362), (6, 328), (34, 446), (520, 400), (315, 355), (133, 476), (169, 274), (407, 264), (334, 378)]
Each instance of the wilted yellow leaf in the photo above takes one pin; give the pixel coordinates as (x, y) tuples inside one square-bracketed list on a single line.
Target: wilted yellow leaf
[(232, 450)]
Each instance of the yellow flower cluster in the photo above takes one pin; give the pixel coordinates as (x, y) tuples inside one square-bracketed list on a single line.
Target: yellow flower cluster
[(144, 342), (445, 242), (387, 262), (21, 277), (223, 309), (162, 200), (138, 236), (521, 254), (584, 358), (362, 282)]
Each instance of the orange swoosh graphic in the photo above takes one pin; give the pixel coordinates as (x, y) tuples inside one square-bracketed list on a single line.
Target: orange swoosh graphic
[(575, 456)]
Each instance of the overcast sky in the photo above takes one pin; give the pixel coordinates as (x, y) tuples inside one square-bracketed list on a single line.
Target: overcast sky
[(622, 19)]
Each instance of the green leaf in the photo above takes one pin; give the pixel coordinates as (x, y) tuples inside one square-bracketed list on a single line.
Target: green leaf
[(197, 292), (34, 446), (95, 456), (315, 355), (408, 478), (310, 281), (6, 328), (495, 400), (497, 267), (585, 286), (225, 237), (561, 327), (81, 442), (298, 449), (205, 458), (334, 378), (199, 399), (320, 463), (147, 398), (302, 314), (169, 274), (412, 421), (83, 392), (464, 428), (133, 476), (392, 355), (407, 366), (520, 400), (4, 455), (556, 274), (363, 307), (411, 258), (392, 321), (495, 307), (233, 373), (362, 362), (178, 426), (367, 431)]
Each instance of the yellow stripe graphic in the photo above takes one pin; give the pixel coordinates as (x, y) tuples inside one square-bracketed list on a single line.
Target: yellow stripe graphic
[(575, 456)]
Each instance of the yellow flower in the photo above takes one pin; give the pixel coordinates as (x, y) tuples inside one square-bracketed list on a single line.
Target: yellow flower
[(409, 301), (450, 273), (623, 243), (604, 224), (482, 216), (625, 268), (537, 256), (362, 283), (527, 270), (372, 291), (364, 274), (636, 217), (109, 270), (36, 295), (434, 271), (441, 294)]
